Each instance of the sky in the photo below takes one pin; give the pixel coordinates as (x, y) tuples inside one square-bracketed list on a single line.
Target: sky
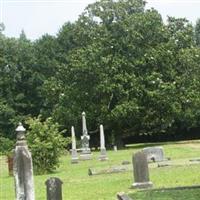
[(38, 17)]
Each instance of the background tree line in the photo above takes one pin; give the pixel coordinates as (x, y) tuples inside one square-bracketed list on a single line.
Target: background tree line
[(119, 62)]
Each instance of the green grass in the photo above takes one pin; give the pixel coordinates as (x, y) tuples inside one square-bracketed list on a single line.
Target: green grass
[(188, 194), (78, 185)]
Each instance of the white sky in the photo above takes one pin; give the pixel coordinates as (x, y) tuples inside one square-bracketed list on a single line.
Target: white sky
[(37, 17)]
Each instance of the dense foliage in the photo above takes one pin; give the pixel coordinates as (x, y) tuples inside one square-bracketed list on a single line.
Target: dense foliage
[(119, 62), (46, 144)]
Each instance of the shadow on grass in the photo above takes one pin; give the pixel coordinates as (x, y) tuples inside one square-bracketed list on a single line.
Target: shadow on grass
[(152, 144), (143, 145)]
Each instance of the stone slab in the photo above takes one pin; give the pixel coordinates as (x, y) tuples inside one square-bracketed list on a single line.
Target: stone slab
[(142, 185), (116, 169), (123, 196)]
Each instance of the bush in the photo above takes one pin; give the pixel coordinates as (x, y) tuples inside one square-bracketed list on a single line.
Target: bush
[(7, 145), (46, 144)]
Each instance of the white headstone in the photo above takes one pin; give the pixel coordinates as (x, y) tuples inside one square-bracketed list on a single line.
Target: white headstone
[(115, 148), (74, 158), (103, 155), (84, 126)]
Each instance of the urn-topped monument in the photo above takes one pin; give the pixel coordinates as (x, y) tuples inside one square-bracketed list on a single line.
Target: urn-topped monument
[(86, 152), (23, 167)]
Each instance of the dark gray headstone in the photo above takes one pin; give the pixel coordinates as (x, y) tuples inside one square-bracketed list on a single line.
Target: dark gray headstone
[(54, 188), (141, 171)]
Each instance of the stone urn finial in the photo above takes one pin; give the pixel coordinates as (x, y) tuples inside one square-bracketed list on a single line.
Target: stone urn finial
[(20, 132)]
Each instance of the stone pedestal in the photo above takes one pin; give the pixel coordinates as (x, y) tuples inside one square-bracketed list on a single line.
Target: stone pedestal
[(141, 171), (74, 155), (86, 152), (103, 155)]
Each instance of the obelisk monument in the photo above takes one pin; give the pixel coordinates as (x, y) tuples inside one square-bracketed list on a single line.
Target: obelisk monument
[(103, 155), (86, 152), (74, 158)]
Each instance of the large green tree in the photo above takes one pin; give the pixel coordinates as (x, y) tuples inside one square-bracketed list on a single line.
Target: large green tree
[(119, 62), (128, 71)]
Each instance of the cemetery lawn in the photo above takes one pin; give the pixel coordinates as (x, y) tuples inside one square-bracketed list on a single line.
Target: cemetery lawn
[(78, 185), (191, 194)]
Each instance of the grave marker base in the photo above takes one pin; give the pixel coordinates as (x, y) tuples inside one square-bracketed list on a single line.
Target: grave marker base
[(142, 185)]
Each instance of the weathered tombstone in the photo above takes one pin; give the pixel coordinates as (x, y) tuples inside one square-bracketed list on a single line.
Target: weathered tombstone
[(23, 168), (141, 171), (74, 154), (86, 152), (115, 148), (54, 188), (123, 196), (103, 155), (155, 154)]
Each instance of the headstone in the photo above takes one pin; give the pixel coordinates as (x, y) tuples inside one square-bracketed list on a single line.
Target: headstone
[(74, 154), (141, 171), (86, 152), (103, 155), (155, 154), (54, 188), (23, 168), (123, 196), (115, 148)]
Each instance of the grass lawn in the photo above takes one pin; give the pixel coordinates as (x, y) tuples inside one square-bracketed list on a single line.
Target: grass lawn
[(78, 185), (188, 194)]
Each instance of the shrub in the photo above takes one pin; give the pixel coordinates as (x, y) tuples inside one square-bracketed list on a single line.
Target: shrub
[(7, 145), (46, 144)]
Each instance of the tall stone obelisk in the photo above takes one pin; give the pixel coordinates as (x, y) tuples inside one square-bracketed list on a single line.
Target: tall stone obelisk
[(86, 152), (74, 154), (23, 167), (103, 155)]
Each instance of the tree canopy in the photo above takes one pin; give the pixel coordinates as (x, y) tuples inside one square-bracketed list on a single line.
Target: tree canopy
[(119, 62)]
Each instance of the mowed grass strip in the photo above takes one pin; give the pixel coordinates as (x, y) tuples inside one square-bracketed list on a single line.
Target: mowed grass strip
[(187, 194), (78, 185)]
